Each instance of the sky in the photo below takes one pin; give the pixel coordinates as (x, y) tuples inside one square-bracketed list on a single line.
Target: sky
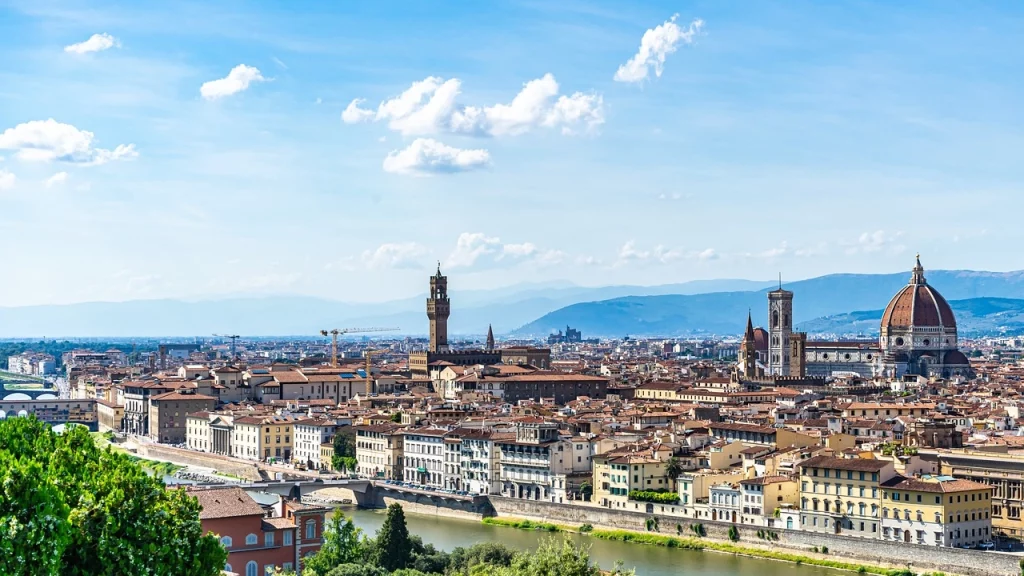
[(341, 150)]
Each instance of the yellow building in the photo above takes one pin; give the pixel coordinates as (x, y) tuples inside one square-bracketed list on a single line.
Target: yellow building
[(1004, 473), (842, 495), (759, 497), (936, 511), (625, 469), (263, 437)]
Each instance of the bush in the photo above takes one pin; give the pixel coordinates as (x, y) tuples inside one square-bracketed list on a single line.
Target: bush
[(651, 524), (656, 496), (698, 529), (814, 549), (679, 528), (524, 524), (587, 528), (824, 549), (734, 534)]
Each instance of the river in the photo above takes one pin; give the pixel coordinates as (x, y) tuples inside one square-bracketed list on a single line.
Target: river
[(449, 533)]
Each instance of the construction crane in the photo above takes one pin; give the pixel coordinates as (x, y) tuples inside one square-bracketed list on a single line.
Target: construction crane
[(369, 354), (234, 339), (341, 332)]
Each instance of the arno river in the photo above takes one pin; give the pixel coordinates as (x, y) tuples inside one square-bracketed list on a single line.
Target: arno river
[(447, 533)]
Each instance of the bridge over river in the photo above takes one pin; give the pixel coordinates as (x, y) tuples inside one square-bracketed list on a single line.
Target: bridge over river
[(6, 393)]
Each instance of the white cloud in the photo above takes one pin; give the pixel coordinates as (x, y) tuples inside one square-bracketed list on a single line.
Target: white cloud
[(673, 196), (588, 261), (708, 254), (49, 140), (353, 114), (519, 250), (7, 180), (877, 241), (470, 247), (58, 178), (629, 253), (425, 157), (656, 44), (429, 107), (395, 255), (236, 81), (95, 43)]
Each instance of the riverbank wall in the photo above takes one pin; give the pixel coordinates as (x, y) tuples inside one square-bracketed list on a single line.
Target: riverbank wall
[(242, 471), (877, 552)]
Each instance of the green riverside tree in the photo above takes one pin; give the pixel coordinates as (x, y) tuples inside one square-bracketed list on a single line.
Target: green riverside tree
[(69, 508), (343, 544), (393, 548)]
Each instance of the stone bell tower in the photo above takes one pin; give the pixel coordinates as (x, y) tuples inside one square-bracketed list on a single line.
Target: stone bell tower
[(780, 329), (438, 309)]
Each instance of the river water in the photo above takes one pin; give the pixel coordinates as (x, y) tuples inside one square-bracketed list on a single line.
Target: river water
[(449, 533)]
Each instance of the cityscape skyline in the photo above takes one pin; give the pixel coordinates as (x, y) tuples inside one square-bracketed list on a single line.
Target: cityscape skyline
[(269, 152)]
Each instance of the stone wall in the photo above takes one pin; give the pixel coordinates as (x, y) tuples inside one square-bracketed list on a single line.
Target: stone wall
[(919, 558), (189, 458)]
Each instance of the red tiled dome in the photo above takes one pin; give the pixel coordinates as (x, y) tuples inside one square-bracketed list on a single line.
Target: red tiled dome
[(760, 339), (918, 305)]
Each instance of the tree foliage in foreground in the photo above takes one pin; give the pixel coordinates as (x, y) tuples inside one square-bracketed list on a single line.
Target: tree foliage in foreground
[(70, 508)]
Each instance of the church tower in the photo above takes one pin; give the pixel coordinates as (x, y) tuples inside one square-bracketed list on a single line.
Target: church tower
[(438, 309), (780, 328), (748, 351), (490, 338)]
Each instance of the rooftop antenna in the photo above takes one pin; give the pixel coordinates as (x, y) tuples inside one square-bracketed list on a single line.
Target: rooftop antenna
[(780, 280)]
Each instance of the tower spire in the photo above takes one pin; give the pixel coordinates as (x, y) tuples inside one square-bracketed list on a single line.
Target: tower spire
[(490, 338), (780, 280), (749, 334), (917, 274)]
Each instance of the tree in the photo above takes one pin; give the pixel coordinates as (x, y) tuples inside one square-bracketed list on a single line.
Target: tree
[(101, 511), (673, 469), (550, 559), (586, 489), (345, 442), (396, 417), (343, 463), (343, 544), (393, 548)]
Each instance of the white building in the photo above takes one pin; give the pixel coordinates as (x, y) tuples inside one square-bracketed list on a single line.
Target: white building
[(308, 436), (424, 456), (534, 465), (479, 460), (724, 502)]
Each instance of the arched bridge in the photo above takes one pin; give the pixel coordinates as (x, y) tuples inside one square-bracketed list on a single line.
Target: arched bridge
[(33, 393), (299, 488)]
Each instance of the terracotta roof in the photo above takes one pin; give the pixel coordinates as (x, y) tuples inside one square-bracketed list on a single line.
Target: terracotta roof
[(921, 485), (225, 503), (182, 397), (856, 464), (917, 305)]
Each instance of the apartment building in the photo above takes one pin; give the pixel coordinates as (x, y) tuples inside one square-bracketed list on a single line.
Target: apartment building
[(536, 464), (761, 496), (628, 468), (136, 403), (424, 456), (263, 437), (1004, 473), (379, 451), (480, 459), (310, 434), (168, 413), (842, 495), (936, 511)]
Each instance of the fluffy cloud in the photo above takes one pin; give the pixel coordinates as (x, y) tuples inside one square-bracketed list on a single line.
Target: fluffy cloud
[(236, 81), (7, 180), (49, 140), (877, 241), (470, 247), (95, 43), (630, 253), (656, 44), (395, 255), (56, 179), (429, 107), (353, 114), (425, 157)]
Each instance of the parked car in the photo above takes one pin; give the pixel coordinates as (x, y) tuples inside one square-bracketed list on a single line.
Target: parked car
[(987, 545)]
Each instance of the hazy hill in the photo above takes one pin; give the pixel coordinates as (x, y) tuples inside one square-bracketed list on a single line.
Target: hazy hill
[(472, 311), (973, 316), (725, 312)]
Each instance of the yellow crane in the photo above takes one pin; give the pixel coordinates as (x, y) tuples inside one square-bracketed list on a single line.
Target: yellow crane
[(341, 332)]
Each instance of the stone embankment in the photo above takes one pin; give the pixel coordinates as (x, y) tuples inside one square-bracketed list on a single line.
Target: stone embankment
[(202, 477), (918, 558), (223, 464)]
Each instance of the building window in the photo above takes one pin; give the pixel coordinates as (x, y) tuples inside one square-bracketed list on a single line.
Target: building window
[(251, 540), (227, 568), (251, 568), (310, 529), (226, 541), (268, 539)]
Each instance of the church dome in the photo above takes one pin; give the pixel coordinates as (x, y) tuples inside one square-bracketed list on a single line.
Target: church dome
[(760, 339), (917, 305)]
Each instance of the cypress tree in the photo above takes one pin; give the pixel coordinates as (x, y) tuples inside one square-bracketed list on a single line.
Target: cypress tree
[(394, 549)]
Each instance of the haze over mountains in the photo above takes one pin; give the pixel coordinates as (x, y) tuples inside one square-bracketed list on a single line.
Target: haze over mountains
[(842, 303)]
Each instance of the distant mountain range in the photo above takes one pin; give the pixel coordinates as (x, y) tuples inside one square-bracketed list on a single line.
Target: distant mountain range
[(823, 304), (472, 311), (973, 316), (726, 312)]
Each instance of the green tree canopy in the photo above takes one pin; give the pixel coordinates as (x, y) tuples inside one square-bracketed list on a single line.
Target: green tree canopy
[(393, 548), (343, 544), (69, 508)]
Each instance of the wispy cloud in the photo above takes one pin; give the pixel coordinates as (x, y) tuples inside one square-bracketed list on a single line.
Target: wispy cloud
[(655, 46), (49, 140), (427, 157), (57, 179), (95, 43), (396, 255), (238, 80), (7, 180)]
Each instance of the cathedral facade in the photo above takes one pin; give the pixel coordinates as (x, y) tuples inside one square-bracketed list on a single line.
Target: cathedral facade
[(917, 336)]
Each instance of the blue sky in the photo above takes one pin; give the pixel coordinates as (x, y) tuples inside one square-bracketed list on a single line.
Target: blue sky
[(801, 137)]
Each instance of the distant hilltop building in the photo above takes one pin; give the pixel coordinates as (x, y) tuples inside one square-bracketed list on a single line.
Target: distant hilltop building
[(439, 354), (571, 336), (918, 336)]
